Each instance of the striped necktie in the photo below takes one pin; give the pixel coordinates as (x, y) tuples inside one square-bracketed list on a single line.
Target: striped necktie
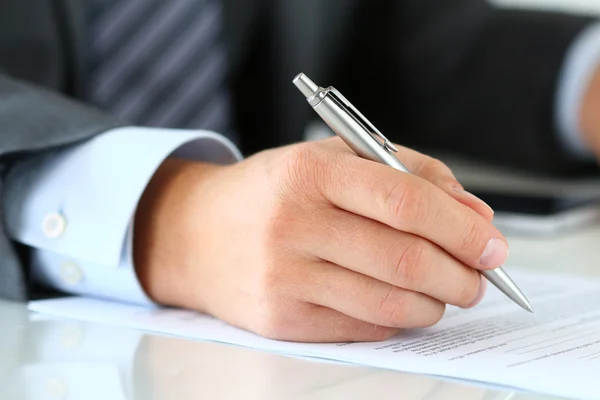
[(159, 63)]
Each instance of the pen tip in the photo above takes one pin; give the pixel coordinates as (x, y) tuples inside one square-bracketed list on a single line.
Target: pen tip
[(528, 307)]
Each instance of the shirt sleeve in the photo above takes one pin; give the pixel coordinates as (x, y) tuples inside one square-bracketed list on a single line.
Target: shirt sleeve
[(76, 206), (581, 63)]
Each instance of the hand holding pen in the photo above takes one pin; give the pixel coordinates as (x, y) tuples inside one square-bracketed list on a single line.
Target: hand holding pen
[(367, 142), (310, 242)]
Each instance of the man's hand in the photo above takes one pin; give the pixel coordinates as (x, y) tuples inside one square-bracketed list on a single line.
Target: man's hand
[(312, 243)]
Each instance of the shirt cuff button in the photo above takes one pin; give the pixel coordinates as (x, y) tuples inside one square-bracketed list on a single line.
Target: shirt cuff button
[(71, 273), (54, 225)]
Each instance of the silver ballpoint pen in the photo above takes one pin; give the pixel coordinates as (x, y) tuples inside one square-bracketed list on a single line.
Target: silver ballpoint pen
[(367, 142)]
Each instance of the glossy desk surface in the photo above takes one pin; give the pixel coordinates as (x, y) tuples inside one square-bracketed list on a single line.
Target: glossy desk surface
[(45, 358)]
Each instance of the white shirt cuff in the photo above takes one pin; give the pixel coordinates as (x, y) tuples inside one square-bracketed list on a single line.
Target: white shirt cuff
[(581, 62), (76, 207)]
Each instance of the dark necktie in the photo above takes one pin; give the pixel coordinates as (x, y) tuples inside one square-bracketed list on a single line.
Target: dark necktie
[(159, 63)]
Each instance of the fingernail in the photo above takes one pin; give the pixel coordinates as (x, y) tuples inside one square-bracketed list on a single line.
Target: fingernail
[(460, 191), (482, 291), (494, 254)]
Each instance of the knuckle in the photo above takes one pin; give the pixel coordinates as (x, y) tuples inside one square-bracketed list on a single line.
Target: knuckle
[(407, 205), (410, 265), (301, 170), (469, 236), (299, 156), (438, 173), (390, 309), (431, 167)]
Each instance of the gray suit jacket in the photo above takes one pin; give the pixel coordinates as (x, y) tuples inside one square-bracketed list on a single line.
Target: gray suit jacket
[(458, 74)]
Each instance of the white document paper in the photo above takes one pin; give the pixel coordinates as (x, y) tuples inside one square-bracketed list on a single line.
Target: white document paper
[(555, 351)]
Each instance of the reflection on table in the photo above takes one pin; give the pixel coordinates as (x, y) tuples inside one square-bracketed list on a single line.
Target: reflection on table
[(45, 358)]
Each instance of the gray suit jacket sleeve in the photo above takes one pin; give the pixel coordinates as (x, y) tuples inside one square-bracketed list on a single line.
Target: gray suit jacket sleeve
[(33, 122)]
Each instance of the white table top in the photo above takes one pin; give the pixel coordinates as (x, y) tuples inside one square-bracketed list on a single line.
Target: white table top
[(45, 358)]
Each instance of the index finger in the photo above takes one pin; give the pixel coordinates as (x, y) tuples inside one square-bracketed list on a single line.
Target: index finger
[(411, 204), (431, 169)]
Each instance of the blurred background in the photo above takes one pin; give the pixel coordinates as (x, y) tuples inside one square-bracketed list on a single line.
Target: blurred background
[(584, 6)]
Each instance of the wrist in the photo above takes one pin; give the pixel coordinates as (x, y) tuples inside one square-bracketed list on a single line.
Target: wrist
[(165, 232)]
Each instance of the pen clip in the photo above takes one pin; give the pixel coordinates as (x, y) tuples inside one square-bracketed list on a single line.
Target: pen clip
[(362, 120)]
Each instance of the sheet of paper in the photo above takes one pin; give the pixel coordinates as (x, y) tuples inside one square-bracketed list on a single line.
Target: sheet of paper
[(555, 351)]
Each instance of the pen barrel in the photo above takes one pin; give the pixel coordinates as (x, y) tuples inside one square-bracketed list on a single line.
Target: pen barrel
[(354, 134)]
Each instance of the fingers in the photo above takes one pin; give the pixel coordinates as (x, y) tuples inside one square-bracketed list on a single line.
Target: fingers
[(368, 299), (440, 175), (432, 170), (410, 204), (314, 323), (400, 259)]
